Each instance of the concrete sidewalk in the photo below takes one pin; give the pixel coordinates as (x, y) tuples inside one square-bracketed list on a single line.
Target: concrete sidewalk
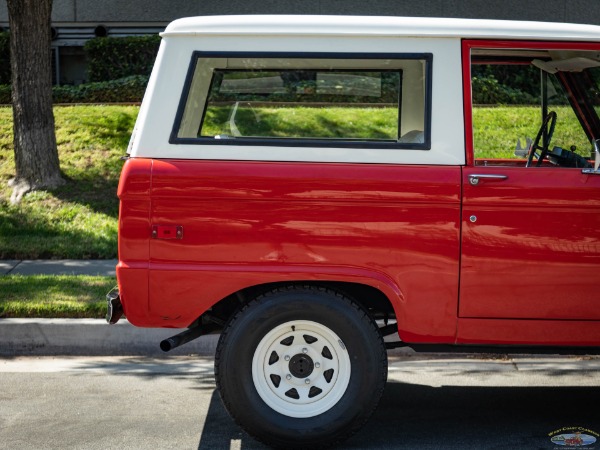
[(105, 267)]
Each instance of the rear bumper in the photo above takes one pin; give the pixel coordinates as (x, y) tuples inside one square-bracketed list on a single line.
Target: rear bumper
[(114, 307)]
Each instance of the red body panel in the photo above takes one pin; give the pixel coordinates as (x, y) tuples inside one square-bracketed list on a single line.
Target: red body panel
[(395, 228), (534, 250), (529, 332), (134, 237), (134, 211), (248, 223)]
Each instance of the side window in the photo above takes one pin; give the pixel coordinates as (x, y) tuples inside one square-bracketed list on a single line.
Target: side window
[(311, 104), (307, 101), (513, 91)]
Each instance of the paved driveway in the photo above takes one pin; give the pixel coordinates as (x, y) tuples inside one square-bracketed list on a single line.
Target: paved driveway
[(430, 403)]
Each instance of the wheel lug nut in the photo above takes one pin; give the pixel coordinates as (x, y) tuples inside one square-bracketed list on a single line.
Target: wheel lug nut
[(288, 377), (317, 365), (304, 350), (307, 381), (286, 357)]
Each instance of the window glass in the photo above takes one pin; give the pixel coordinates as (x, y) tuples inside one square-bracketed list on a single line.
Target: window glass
[(371, 100), (303, 104), (513, 89)]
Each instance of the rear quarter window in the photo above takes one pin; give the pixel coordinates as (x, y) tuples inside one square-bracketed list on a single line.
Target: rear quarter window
[(376, 101)]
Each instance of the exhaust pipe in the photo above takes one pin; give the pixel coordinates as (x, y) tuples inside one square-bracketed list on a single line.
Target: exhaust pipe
[(181, 338), (114, 310)]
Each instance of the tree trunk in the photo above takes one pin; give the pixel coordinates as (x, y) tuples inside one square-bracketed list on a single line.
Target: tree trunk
[(36, 155)]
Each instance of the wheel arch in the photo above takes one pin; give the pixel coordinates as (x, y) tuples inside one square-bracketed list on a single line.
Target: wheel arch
[(373, 299)]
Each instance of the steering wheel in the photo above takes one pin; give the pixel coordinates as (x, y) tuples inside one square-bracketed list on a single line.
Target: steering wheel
[(550, 118)]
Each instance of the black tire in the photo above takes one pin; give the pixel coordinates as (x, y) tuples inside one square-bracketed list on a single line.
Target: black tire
[(359, 356)]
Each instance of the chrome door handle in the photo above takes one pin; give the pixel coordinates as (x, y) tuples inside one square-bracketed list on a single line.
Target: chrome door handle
[(475, 178)]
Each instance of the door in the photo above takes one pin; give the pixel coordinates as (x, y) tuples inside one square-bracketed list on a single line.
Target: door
[(530, 243)]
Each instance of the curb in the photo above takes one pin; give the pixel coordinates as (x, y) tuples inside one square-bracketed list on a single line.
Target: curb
[(94, 337), (91, 337)]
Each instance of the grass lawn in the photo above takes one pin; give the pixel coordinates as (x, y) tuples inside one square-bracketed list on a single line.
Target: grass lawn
[(78, 220), (496, 130), (304, 122), (64, 296)]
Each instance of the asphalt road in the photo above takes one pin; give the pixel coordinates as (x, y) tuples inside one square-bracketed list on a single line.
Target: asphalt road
[(430, 403)]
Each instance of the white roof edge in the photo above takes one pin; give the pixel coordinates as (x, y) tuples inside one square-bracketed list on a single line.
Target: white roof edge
[(379, 26)]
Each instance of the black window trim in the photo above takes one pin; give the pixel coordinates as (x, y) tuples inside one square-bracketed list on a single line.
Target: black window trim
[(294, 142)]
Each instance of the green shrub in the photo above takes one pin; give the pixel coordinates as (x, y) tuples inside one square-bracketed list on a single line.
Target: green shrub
[(125, 90), (113, 58), (5, 57), (128, 89), (524, 78), (489, 91)]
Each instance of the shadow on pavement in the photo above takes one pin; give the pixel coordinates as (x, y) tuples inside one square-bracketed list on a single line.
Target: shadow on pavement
[(448, 417), (220, 431)]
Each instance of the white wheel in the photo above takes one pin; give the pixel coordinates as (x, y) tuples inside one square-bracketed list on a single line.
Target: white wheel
[(301, 369)]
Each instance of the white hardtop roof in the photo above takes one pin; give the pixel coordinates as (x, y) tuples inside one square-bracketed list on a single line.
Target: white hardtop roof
[(379, 26)]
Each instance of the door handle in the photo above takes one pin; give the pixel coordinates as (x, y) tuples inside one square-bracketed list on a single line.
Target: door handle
[(475, 178)]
